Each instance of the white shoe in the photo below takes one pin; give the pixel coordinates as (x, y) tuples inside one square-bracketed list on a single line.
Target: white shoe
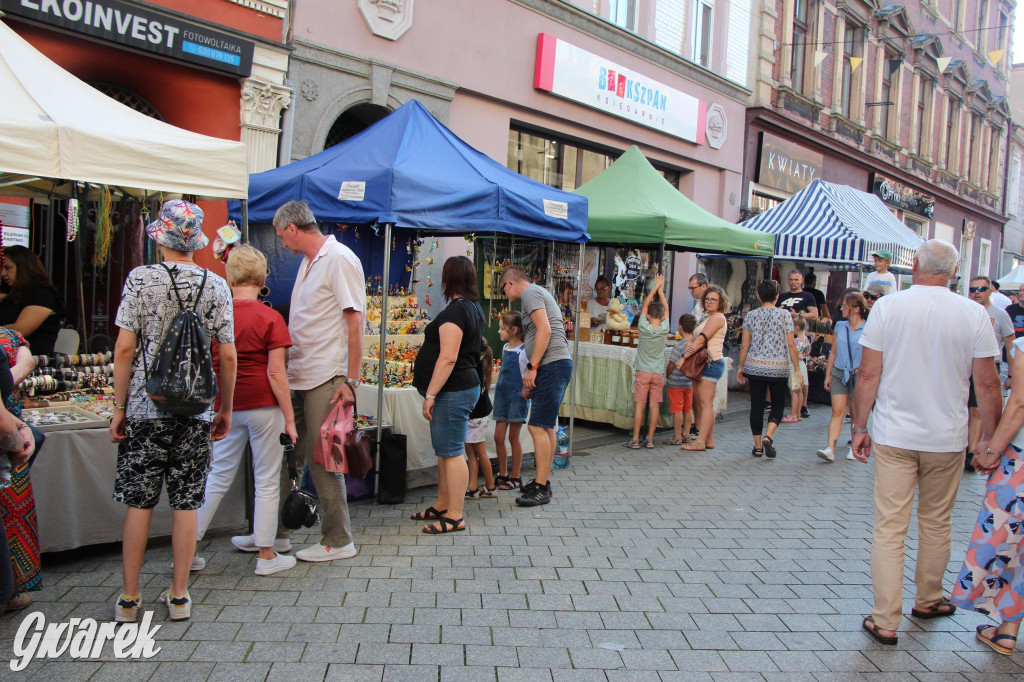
[(827, 454), (198, 564), (247, 543), (320, 552), (275, 565), (849, 455)]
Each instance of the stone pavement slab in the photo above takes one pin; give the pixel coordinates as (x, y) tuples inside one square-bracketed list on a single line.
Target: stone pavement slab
[(647, 565)]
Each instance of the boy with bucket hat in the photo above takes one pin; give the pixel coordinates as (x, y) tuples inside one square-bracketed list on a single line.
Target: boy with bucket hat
[(881, 276), (155, 446)]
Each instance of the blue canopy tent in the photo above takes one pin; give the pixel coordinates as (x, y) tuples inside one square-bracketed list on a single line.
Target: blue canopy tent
[(409, 171), (830, 223)]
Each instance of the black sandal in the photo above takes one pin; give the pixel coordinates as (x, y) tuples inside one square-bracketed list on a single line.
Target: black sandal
[(429, 513), (513, 483), (757, 452), (500, 480), (869, 626), (447, 526), (941, 609), (769, 447)]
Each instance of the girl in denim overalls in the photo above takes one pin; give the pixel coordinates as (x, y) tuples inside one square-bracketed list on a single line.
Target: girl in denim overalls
[(510, 407)]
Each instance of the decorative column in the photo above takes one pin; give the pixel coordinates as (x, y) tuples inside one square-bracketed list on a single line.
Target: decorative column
[(261, 107)]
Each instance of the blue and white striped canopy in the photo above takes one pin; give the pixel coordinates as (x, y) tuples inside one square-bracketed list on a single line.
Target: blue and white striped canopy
[(829, 223)]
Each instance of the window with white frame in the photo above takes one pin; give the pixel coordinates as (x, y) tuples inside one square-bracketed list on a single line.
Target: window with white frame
[(924, 115), (623, 13), (703, 24), (920, 227), (797, 75), (853, 48), (1013, 189), (984, 256)]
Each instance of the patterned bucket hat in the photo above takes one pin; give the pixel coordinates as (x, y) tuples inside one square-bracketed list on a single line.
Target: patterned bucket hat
[(179, 226)]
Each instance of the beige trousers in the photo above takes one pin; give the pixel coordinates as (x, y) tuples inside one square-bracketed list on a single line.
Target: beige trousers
[(311, 409), (898, 472)]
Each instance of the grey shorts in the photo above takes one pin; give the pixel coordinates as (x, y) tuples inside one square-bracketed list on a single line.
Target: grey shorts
[(838, 387)]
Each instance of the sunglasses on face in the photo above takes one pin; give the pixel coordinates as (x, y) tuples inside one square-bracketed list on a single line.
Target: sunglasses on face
[(977, 290), (870, 297)]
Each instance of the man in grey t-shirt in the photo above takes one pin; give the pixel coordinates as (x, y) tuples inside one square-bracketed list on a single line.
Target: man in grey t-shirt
[(548, 370)]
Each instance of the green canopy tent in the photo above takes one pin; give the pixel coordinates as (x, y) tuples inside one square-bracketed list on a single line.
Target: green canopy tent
[(631, 203)]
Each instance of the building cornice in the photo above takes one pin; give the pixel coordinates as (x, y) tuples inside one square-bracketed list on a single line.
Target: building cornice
[(610, 34), (274, 8), (828, 144)]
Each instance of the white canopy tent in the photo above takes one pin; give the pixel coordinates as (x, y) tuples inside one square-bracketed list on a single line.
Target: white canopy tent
[(55, 127), (1013, 279)]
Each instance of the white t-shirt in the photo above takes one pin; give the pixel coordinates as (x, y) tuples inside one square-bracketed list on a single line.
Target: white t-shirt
[(598, 310), (316, 320), (1000, 300), (887, 281), (928, 337)]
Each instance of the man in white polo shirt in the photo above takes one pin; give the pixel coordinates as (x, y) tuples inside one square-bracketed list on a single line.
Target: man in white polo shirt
[(325, 321), (920, 346)]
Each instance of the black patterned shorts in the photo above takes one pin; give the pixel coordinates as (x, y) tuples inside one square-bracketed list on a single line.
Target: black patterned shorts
[(175, 448)]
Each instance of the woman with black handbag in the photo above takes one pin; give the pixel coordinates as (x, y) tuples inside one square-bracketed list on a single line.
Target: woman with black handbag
[(843, 361), (447, 376)]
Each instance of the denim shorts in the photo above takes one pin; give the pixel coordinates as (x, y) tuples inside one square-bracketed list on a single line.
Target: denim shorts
[(510, 405), (552, 379), (713, 371), (450, 423)]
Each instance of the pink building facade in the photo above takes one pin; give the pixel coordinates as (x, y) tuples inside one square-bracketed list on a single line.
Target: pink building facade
[(558, 116)]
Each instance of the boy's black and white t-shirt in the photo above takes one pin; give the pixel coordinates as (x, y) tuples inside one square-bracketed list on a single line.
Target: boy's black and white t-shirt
[(148, 306)]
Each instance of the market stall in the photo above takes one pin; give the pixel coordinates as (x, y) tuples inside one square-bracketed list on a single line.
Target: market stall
[(632, 204), (406, 178)]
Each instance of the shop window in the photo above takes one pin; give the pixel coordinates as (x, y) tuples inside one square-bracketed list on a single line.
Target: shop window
[(1003, 35), (853, 48), (982, 38), (797, 75), (623, 13), (952, 134), (919, 227), (759, 203), (924, 116), (129, 99), (703, 24)]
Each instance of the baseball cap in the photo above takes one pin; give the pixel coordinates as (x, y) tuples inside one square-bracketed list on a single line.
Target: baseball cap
[(883, 253)]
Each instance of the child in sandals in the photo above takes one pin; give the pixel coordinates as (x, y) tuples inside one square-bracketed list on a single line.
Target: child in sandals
[(680, 387), (510, 407), (476, 434), (649, 382)]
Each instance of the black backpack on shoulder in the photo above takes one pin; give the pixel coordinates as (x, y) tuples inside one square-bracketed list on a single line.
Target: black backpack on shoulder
[(181, 381)]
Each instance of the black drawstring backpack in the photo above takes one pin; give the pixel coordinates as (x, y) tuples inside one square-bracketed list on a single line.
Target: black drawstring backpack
[(181, 381)]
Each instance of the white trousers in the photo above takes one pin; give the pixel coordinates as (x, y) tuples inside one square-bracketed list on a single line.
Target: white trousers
[(262, 427)]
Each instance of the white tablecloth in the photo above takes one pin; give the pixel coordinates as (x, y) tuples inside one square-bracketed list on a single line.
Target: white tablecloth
[(73, 482)]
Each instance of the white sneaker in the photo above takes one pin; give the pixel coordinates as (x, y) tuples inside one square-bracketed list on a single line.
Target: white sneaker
[(178, 608), (247, 543), (320, 552), (198, 564), (275, 565), (849, 455), (827, 454)]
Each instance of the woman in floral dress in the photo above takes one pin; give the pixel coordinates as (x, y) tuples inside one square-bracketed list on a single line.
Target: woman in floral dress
[(991, 580)]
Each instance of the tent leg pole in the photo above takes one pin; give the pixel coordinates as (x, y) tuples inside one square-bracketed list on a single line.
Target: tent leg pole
[(770, 267), (245, 221), (381, 374), (576, 344)]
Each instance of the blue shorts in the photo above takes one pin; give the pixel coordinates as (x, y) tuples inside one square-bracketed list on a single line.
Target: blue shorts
[(510, 406), (713, 371), (450, 423), (552, 379)]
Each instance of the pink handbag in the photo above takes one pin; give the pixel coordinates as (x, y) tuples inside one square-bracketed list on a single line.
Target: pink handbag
[(342, 448)]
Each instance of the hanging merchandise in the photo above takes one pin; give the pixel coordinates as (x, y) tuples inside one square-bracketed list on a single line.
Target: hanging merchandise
[(227, 237), (72, 219), (104, 229)]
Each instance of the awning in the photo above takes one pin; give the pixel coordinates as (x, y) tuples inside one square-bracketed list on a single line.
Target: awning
[(830, 223)]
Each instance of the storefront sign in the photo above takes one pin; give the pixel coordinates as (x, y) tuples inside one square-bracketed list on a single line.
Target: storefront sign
[(143, 29), (575, 74), (787, 166), (901, 196)]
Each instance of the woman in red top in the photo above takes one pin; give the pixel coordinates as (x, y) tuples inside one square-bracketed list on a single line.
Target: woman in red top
[(262, 411)]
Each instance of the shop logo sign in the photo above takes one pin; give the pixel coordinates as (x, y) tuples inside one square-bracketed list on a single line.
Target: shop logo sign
[(787, 166), (717, 126), (901, 196), (586, 78), (82, 639)]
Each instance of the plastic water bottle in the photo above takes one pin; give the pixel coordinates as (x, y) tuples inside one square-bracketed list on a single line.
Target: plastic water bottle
[(562, 454)]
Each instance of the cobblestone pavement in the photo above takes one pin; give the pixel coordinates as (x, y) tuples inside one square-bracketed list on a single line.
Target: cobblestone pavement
[(648, 565)]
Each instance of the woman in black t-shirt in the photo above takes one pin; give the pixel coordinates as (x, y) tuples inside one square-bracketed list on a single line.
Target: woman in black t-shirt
[(446, 375), (32, 306)]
